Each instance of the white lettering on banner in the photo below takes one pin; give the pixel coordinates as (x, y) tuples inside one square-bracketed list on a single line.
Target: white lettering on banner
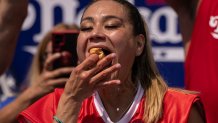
[(68, 7), (31, 18), (146, 13), (79, 15), (214, 24), (131, 1), (7, 86), (47, 11), (168, 54), (153, 19)]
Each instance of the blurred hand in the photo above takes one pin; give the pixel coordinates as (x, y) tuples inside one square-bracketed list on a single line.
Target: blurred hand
[(50, 79)]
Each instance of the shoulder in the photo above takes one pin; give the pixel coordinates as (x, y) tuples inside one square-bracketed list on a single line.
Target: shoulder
[(176, 93), (181, 97), (177, 104), (43, 108)]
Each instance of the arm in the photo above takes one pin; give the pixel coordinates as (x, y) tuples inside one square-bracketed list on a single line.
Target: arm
[(63, 113), (196, 114), (9, 113), (45, 83), (186, 10), (12, 15)]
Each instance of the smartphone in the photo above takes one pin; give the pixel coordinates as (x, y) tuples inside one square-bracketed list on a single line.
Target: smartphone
[(65, 42)]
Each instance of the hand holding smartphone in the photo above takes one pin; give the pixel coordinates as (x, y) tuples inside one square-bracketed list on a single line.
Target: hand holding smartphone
[(65, 42)]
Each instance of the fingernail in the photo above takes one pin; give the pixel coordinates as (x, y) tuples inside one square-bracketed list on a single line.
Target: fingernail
[(113, 55), (118, 65), (118, 81), (58, 54)]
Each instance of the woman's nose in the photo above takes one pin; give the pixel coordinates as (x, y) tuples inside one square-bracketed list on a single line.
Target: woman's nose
[(97, 35)]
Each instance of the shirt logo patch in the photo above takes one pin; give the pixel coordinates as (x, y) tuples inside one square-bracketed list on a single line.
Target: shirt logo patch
[(214, 24)]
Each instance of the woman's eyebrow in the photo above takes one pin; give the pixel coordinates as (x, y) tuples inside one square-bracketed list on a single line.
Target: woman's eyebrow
[(108, 17), (87, 19), (105, 18)]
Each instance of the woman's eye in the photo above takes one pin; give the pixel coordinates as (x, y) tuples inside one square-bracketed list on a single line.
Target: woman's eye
[(84, 29), (112, 26)]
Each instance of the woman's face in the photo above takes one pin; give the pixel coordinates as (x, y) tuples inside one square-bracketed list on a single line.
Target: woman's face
[(105, 24)]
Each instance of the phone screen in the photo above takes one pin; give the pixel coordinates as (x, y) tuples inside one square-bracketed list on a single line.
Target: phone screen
[(65, 42)]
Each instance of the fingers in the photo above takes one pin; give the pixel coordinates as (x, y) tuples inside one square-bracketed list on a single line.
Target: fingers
[(103, 64), (95, 71), (103, 77), (92, 74), (51, 79), (47, 86), (90, 62), (60, 71), (60, 82), (107, 84), (85, 66), (49, 61)]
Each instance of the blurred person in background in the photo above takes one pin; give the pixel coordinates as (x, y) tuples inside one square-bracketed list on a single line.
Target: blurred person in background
[(198, 20), (41, 78), (12, 15)]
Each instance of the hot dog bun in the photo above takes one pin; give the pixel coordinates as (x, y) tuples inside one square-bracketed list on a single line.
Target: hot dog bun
[(97, 51)]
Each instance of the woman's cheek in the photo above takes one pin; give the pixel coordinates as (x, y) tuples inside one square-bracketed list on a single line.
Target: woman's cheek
[(80, 53), (80, 49)]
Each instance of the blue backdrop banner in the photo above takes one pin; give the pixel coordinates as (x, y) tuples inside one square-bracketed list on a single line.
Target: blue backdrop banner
[(44, 14)]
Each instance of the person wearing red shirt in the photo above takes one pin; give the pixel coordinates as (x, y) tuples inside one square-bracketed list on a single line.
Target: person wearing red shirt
[(198, 20), (122, 85)]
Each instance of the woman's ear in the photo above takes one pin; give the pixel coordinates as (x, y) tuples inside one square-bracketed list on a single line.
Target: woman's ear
[(140, 42)]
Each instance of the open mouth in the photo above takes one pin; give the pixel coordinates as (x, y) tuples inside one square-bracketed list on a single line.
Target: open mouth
[(106, 52), (101, 52)]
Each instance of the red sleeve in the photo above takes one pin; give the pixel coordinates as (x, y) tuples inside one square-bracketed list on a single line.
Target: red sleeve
[(177, 106), (41, 111)]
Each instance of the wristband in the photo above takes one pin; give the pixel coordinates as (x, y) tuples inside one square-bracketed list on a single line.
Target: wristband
[(57, 120)]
